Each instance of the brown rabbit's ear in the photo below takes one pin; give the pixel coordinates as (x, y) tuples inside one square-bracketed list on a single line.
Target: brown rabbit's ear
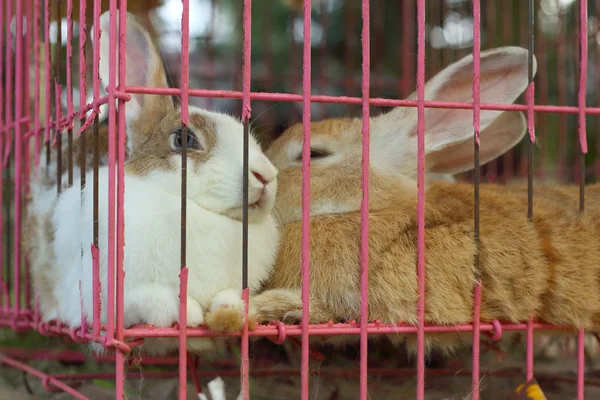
[(143, 68), (502, 135), (503, 78)]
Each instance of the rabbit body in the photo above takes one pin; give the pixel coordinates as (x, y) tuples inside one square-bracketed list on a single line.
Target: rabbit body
[(152, 253), (549, 267), (60, 230)]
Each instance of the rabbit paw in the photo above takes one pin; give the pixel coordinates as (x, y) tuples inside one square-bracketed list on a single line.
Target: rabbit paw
[(275, 305), (195, 315), (226, 313)]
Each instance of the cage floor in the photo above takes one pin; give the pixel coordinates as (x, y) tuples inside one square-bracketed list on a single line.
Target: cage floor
[(335, 378)]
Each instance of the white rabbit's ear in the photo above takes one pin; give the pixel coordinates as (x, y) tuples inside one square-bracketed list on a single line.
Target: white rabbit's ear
[(502, 135), (143, 68), (504, 76)]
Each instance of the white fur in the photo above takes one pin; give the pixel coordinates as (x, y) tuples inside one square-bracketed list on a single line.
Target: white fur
[(151, 255)]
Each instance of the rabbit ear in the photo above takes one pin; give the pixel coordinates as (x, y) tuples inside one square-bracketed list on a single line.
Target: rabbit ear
[(143, 68), (503, 78), (502, 135)]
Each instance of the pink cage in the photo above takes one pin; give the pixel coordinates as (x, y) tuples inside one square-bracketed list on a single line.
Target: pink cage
[(41, 109)]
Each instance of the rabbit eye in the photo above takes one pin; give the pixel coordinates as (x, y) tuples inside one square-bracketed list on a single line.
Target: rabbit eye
[(176, 140), (315, 154)]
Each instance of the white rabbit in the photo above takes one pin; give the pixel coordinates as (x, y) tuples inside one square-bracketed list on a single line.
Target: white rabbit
[(152, 214)]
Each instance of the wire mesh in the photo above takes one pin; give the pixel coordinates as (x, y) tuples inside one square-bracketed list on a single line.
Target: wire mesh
[(44, 118)]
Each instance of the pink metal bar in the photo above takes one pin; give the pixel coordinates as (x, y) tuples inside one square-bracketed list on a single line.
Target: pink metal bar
[(561, 59), (246, 111), (287, 97), (476, 341), (68, 61), (581, 364), (407, 48), (529, 343), (82, 58), (5, 296), (27, 103), (96, 288), (47, 68), (49, 382), (583, 65), (507, 32), (8, 83), (597, 73), (306, 89), (421, 198), (183, 281), (37, 94), (364, 208), (329, 372), (112, 84), (121, 138), (18, 159), (476, 129)]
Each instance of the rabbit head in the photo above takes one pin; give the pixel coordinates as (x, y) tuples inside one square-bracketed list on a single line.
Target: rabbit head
[(336, 144), (214, 141)]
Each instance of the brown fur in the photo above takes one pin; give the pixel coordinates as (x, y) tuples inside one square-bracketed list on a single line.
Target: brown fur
[(225, 320), (548, 267)]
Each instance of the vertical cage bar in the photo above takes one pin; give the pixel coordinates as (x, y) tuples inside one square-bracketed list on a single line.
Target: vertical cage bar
[(507, 38), (7, 141), (407, 48), (82, 94), (82, 144), (210, 50), (48, 86), (96, 146), (306, 90), (121, 132), (530, 96), (529, 346), (69, 92), (491, 174), (246, 111), (477, 177), (7, 147), (112, 119), (581, 364), (18, 157), (37, 81), (583, 67), (543, 97), (4, 298), (183, 277), (364, 208), (350, 21), (421, 198), (8, 85), (597, 76), (27, 103), (561, 73)]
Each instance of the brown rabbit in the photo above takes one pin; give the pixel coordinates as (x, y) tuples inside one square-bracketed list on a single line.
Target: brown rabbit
[(546, 266)]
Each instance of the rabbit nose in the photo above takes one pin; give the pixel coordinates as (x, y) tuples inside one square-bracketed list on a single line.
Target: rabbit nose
[(260, 178)]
